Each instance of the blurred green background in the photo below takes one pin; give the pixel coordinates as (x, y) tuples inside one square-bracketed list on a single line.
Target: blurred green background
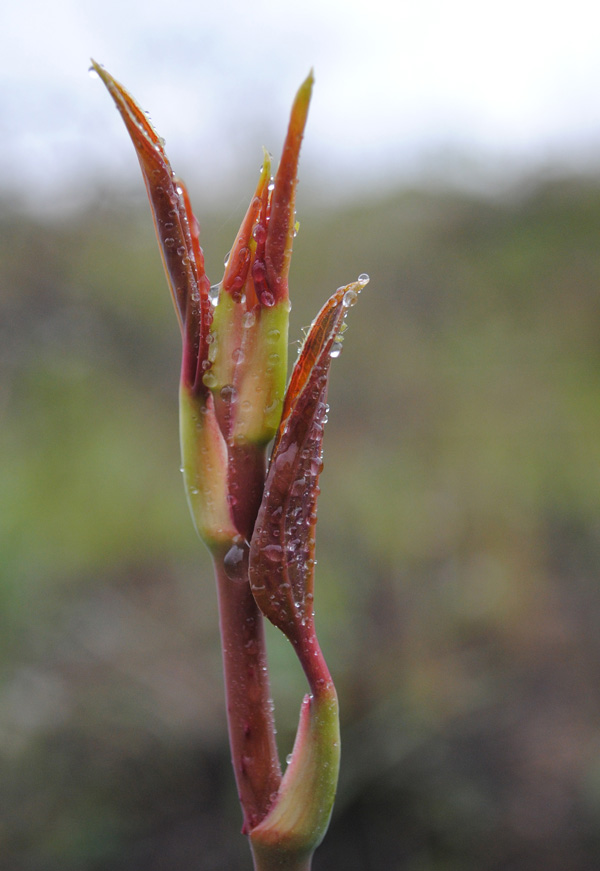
[(458, 544)]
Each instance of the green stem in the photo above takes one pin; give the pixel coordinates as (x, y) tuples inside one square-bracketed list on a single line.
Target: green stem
[(249, 705), (273, 862)]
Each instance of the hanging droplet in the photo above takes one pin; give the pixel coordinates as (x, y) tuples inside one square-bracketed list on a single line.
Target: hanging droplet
[(234, 563), (363, 279), (350, 298)]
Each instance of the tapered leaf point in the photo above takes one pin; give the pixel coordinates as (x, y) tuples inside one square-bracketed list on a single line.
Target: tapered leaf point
[(304, 92)]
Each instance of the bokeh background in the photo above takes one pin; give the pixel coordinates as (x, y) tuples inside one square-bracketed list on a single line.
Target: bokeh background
[(451, 153)]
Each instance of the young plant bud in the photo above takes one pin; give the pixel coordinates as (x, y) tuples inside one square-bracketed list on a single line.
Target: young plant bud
[(258, 524), (282, 580), (283, 544)]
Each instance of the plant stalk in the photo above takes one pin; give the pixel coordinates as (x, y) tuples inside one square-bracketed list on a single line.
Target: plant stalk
[(248, 696), (273, 862)]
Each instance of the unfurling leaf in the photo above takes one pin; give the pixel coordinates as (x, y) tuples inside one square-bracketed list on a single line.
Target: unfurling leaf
[(283, 543)]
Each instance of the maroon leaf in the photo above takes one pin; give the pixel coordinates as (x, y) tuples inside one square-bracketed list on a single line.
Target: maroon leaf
[(177, 232), (283, 544), (280, 227)]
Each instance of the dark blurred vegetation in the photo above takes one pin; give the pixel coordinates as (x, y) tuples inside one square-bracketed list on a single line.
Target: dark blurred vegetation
[(458, 593)]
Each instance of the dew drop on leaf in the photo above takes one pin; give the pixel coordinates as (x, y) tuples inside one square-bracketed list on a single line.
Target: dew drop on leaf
[(272, 552)]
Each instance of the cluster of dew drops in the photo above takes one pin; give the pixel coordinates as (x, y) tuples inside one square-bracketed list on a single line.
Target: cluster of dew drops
[(235, 562), (350, 298)]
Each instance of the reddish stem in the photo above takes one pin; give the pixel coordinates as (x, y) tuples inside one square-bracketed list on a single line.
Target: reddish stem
[(313, 662), (246, 483), (249, 705)]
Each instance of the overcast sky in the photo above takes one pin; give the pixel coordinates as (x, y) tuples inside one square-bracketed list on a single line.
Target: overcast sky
[(400, 88)]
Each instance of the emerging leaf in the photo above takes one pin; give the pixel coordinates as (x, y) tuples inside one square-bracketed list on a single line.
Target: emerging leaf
[(283, 543), (177, 231)]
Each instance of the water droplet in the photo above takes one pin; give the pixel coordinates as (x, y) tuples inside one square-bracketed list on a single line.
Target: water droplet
[(267, 299), (249, 319), (213, 293), (363, 279), (209, 379), (233, 563), (350, 298), (237, 355), (228, 393), (298, 487), (169, 241), (271, 185), (272, 552), (226, 260), (93, 73), (273, 336), (259, 232), (316, 466), (336, 350), (289, 758)]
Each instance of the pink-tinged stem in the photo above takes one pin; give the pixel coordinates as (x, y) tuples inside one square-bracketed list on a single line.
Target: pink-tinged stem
[(249, 704), (247, 469), (313, 662)]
